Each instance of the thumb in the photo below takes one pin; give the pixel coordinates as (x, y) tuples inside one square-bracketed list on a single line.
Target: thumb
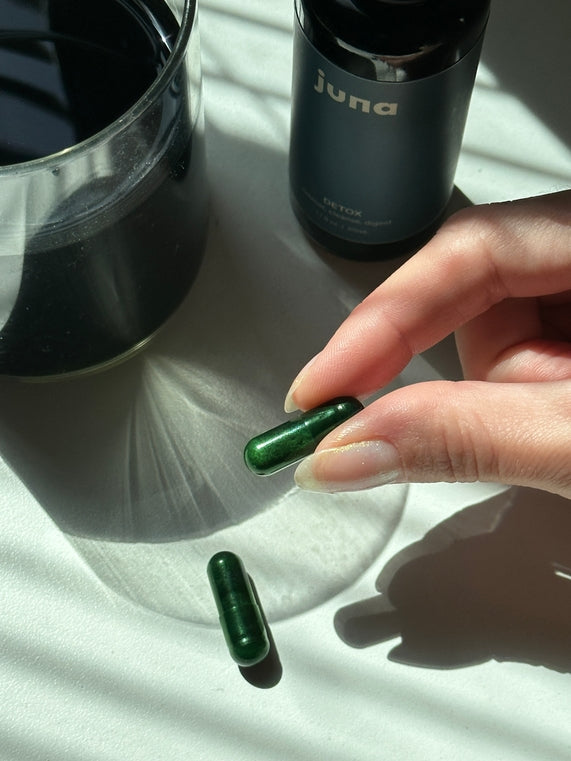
[(511, 433)]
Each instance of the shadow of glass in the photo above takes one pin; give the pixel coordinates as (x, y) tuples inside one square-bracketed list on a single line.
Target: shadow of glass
[(492, 582), (142, 467), (151, 450)]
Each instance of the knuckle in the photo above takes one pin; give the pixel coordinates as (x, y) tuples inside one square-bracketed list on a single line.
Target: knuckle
[(459, 447)]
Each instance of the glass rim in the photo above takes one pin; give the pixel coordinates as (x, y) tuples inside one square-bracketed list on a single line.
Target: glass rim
[(146, 100)]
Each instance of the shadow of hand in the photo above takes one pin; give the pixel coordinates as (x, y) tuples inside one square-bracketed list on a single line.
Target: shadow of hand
[(503, 594)]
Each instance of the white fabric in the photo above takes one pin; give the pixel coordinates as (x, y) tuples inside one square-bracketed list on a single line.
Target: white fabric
[(95, 661)]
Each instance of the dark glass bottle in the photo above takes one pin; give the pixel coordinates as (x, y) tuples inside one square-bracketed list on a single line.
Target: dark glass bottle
[(381, 90)]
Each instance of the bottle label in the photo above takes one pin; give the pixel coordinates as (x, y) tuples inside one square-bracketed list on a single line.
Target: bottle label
[(374, 162)]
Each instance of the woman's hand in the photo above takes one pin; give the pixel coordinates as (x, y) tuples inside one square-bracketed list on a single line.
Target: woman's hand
[(500, 276)]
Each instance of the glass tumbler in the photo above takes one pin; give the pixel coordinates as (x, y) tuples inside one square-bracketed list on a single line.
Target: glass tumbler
[(103, 198)]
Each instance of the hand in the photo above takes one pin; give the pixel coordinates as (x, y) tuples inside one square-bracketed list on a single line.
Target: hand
[(500, 276)]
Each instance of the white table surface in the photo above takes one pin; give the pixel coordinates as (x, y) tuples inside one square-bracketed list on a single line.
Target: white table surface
[(115, 489)]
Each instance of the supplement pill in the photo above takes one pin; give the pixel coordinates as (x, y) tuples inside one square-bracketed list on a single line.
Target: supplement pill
[(289, 442), (240, 616)]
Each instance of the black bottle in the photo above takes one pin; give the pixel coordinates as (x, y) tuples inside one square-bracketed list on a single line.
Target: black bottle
[(381, 90)]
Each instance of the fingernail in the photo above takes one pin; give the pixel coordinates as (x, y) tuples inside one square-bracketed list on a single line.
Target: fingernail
[(289, 404), (350, 468)]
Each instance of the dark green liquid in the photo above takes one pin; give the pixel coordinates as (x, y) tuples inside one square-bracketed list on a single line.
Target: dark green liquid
[(96, 289), (68, 68)]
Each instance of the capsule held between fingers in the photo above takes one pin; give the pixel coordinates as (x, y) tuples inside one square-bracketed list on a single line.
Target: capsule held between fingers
[(292, 441), (240, 615)]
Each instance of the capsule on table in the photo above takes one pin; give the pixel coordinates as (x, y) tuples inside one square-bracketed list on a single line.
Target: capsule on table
[(289, 442), (240, 615)]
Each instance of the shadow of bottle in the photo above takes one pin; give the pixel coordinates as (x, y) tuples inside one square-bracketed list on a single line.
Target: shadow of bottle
[(457, 600)]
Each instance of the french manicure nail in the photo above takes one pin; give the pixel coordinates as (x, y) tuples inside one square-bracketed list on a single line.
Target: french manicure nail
[(289, 404), (350, 468)]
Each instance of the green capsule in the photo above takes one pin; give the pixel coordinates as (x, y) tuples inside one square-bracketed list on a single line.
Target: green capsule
[(281, 446), (240, 616)]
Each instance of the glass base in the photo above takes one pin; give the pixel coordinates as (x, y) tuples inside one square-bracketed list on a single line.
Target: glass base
[(100, 367)]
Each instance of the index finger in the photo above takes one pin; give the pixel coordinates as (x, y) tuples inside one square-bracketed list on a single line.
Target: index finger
[(480, 256)]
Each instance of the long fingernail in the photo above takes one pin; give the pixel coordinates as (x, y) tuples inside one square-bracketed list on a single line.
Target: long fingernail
[(289, 404), (350, 468)]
